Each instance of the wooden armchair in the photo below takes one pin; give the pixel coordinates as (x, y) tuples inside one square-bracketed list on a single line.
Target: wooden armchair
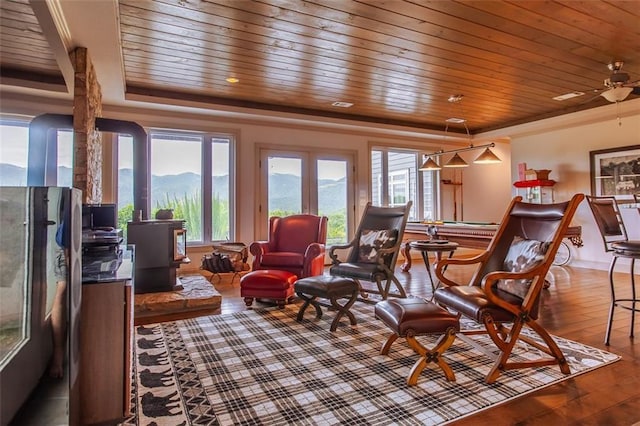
[(374, 250), (504, 292)]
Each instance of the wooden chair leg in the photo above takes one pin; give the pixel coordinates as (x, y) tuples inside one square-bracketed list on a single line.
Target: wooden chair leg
[(506, 343)]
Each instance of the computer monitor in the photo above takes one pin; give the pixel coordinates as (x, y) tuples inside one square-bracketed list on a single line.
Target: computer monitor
[(99, 216)]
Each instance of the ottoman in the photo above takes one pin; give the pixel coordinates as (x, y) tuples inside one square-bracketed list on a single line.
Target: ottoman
[(413, 317), (328, 287), (267, 284)]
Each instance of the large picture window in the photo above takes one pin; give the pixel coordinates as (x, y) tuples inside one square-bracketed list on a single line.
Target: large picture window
[(192, 174), (395, 179)]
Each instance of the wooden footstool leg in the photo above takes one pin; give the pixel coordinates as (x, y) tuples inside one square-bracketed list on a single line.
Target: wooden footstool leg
[(343, 310), (431, 355), (387, 345), (308, 301)]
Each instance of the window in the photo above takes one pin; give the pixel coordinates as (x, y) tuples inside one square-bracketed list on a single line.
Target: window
[(14, 150), (125, 181), (14, 154), (398, 188), (192, 174), (395, 179), (65, 158)]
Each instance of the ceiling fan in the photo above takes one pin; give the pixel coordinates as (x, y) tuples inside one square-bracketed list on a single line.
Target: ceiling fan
[(618, 84)]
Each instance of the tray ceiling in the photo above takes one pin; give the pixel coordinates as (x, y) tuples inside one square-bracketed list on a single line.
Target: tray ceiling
[(396, 61)]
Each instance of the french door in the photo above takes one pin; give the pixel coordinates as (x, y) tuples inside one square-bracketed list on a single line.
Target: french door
[(294, 182)]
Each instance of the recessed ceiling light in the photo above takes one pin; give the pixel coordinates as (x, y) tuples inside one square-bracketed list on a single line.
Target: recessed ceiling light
[(455, 120), (568, 96), (342, 104), (232, 80)]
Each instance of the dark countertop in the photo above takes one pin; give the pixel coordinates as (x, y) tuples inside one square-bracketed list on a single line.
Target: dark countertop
[(109, 264)]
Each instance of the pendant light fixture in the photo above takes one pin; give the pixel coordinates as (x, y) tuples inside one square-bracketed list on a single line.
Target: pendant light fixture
[(486, 157), (429, 165), (456, 161)]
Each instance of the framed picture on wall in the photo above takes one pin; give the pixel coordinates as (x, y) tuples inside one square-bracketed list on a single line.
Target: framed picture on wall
[(615, 171)]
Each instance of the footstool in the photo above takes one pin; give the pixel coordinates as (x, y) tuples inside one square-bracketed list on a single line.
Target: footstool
[(328, 287), (413, 317), (267, 284)]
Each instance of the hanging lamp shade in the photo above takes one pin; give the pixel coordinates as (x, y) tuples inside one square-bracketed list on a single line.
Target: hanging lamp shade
[(456, 161), (487, 157), (429, 165), (616, 94)]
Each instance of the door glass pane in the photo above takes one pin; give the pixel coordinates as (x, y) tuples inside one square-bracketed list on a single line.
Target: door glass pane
[(125, 181), (176, 170), (65, 158), (220, 211), (13, 262), (332, 198), (285, 186)]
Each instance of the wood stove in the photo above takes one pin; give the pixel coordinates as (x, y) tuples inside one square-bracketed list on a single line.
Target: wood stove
[(160, 248)]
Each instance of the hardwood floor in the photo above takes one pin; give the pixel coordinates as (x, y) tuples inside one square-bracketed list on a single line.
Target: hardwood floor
[(575, 307)]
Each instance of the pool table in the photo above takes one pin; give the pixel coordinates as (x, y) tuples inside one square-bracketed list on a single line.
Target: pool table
[(475, 235)]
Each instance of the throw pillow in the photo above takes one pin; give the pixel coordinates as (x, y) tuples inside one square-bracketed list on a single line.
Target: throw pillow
[(372, 241), (523, 256)]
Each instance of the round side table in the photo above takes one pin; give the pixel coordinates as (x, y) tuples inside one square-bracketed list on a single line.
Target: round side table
[(437, 247)]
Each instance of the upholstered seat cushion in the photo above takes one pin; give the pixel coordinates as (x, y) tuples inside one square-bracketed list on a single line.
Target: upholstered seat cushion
[(363, 271), (415, 316), (629, 248), (472, 302), (283, 258), (325, 286)]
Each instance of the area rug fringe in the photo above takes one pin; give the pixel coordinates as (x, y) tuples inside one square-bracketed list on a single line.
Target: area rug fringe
[(262, 367)]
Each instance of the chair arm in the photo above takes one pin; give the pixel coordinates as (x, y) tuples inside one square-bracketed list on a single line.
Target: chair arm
[(489, 281), (442, 264), (257, 249), (333, 248), (313, 260), (313, 250)]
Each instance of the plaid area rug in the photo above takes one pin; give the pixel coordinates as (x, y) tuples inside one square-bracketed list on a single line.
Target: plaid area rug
[(262, 367)]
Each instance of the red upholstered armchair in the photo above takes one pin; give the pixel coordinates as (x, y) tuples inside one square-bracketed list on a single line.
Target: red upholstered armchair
[(296, 244)]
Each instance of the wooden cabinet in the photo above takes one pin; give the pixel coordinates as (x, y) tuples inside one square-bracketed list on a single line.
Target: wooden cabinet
[(105, 351)]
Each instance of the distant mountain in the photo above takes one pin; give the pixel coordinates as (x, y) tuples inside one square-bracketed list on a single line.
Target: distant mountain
[(11, 175), (331, 193)]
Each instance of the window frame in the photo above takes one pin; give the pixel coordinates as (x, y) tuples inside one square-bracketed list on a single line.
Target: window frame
[(383, 186), (207, 139)]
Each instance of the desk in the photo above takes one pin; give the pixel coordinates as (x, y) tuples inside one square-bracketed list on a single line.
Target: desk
[(470, 235)]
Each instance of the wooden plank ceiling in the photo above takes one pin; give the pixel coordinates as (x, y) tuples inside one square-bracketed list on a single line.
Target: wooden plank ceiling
[(396, 61)]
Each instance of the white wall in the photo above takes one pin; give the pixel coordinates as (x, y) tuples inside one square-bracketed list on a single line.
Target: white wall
[(565, 150)]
